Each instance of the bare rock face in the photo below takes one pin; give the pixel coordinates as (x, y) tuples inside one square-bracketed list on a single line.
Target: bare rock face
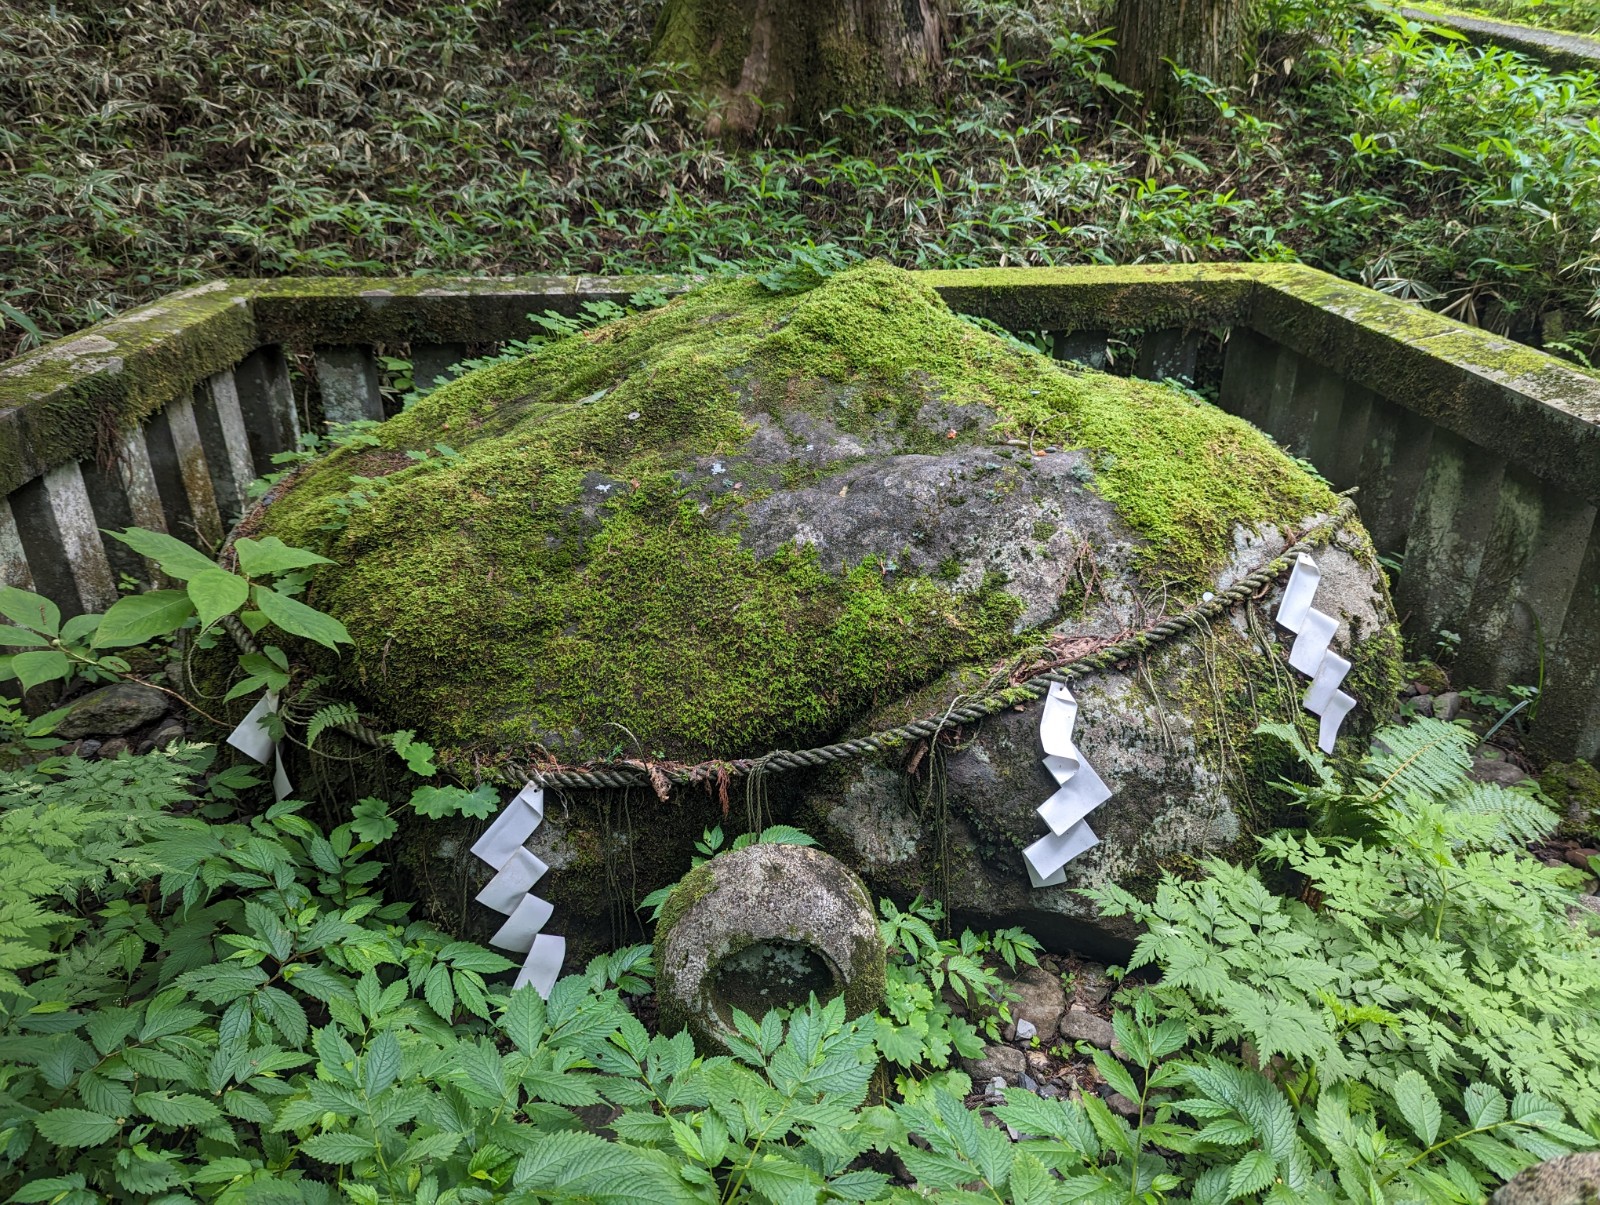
[(747, 522), (760, 928), (1171, 733), (1567, 1180)]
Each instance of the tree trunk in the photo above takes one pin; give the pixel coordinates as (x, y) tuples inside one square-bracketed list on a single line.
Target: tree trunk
[(763, 63), (1210, 37)]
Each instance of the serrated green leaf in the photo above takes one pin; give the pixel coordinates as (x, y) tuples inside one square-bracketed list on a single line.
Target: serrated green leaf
[(55, 1188), (1418, 1105), (31, 610), (436, 990), (142, 617), (338, 1147), (176, 558), (1485, 1105), (216, 593), (438, 802), (294, 617), (75, 1127), (264, 557), (1251, 1174), (177, 1109), (418, 755)]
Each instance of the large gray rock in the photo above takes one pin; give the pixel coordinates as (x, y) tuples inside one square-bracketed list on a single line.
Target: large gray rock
[(744, 523), (1171, 733), (113, 710), (1567, 1180), (760, 928)]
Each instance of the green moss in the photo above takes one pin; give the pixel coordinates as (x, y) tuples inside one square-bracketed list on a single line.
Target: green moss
[(691, 889), (1574, 787), (572, 575)]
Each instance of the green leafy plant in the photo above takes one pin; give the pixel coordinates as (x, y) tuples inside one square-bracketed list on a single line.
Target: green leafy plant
[(921, 1029), (711, 843)]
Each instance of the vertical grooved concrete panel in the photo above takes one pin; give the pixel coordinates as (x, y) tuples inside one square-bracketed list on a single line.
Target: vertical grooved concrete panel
[(347, 378), (1569, 711), (226, 443), (1455, 512), (1319, 415), (266, 403), (1341, 463), (195, 471), (431, 361), (1088, 348), (1530, 566), (1393, 460), (14, 569), (1254, 370), (1168, 353), (124, 494), (62, 542)]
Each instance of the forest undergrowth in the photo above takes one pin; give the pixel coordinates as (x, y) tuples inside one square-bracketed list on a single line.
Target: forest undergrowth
[(187, 139)]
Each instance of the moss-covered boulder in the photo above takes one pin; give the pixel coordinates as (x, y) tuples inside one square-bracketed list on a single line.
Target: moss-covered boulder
[(750, 520)]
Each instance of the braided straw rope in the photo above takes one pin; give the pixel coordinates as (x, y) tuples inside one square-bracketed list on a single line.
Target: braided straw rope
[(639, 774)]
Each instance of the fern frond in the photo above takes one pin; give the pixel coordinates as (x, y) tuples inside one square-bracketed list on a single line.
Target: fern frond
[(1521, 816), (1426, 758), (330, 715)]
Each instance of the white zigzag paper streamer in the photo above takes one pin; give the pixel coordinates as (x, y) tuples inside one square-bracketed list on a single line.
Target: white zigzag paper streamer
[(1311, 654), (254, 740), (1080, 791), (516, 868), (511, 891)]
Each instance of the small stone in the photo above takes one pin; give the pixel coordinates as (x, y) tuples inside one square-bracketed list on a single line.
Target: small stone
[(112, 711), (1580, 857), (143, 747), (1119, 1103), (1051, 1092), (1040, 1001), (1447, 706), (168, 734), (1092, 987), (997, 1062), (115, 747), (1083, 1026), (1421, 688), (1040, 1064), (997, 1086), (87, 749), (1502, 773), (1583, 910), (1028, 1082), (1422, 705), (1027, 1030)]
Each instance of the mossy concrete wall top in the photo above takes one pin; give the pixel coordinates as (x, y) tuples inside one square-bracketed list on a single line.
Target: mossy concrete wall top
[(1554, 48), (334, 310), (58, 401)]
